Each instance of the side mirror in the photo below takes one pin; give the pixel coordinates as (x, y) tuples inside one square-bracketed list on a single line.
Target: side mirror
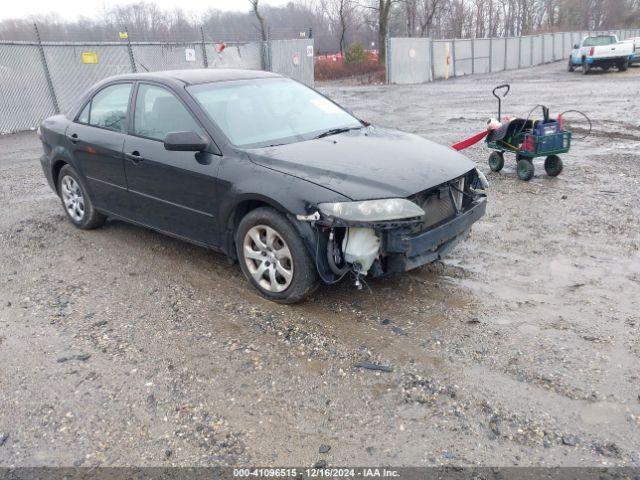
[(576, 46), (184, 142)]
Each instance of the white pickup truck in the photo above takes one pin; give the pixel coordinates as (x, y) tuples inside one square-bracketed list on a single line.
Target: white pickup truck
[(601, 51), (635, 41)]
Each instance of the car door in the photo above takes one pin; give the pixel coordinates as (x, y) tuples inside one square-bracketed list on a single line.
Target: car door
[(96, 139), (171, 191)]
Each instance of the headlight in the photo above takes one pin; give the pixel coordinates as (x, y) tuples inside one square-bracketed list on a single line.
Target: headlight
[(372, 210)]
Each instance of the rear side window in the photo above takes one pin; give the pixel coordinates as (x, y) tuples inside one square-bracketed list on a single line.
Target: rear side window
[(158, 112), (108, 108)]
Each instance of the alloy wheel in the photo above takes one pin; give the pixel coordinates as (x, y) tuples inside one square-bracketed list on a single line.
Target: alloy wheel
[(268, 258), (73, 198)]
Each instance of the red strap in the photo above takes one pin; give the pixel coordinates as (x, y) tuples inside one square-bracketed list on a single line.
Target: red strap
[(470, 141)]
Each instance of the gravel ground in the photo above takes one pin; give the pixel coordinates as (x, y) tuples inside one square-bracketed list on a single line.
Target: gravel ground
[(124, 347)]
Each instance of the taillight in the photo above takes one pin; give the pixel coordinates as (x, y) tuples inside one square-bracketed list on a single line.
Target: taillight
[(592, 51)]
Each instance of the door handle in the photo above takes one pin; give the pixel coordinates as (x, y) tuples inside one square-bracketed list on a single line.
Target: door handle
[(73, 138), (134, 156)]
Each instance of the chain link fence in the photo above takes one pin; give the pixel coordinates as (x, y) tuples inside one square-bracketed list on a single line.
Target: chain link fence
[(38, 79), (419, 60)]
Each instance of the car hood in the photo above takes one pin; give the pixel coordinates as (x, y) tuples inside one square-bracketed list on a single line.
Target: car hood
[(367, 163)]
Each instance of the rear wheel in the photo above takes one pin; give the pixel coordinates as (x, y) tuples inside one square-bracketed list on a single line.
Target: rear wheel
[(496, 161), (623, 66), (525, 169), (273, 257), (586, 68), (76, 201), (553, 165), (570, 67)]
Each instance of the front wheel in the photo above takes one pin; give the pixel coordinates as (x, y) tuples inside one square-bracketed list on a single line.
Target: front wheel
[(623, 66), (553, 165), (496, 161), (273, 256), (76, 201), (525, 170)]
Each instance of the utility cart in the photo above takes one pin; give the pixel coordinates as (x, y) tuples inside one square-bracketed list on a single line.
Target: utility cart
[(528, 139)]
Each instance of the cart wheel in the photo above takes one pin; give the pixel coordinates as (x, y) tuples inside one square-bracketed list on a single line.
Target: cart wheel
[(525, 170), (553, 165), (496, 161)]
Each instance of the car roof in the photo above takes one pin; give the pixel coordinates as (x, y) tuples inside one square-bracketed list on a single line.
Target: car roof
[(197, 76)]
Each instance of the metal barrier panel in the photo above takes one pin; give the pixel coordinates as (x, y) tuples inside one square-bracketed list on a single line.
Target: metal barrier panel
[(499, 48), (71, 73), (409, 60), (526, 51), (482, 55), (558, 46), (155, 57), (513, 53), (537, 54), (463, 58), (24, 94), (293, 58), (236, 55), (568, 44), (547, 48), (441, 51)]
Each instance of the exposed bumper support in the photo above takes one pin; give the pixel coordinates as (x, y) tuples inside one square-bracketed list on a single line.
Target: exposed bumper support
[(407, 252)]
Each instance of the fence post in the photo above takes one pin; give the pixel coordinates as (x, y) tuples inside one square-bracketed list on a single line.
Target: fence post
[(387, 59), (132, 59), (431, 59), (506, 50), (531, 62), (266, 52), (490, 54), (453, 56), (519, 52), (473, 56), (544, 50), (205, 60), (47, 74)]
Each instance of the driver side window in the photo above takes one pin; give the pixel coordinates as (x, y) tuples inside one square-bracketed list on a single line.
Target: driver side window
[(159, 112)]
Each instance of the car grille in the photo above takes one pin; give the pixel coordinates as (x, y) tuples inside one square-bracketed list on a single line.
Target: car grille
[(440, 204)]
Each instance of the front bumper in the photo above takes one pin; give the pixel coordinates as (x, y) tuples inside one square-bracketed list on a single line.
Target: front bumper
[(405, 251)]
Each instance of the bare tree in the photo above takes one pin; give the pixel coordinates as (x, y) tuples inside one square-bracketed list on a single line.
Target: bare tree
[(260, 18), (340, 14), (426, 13), (383, 10)]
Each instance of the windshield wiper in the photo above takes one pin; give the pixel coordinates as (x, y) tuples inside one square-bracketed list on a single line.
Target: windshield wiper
[(335, 131)]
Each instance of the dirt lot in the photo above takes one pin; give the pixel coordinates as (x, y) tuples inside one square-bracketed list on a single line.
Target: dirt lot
[(123, 347)]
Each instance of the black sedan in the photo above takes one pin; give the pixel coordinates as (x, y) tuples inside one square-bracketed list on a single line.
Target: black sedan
[(263, 169)]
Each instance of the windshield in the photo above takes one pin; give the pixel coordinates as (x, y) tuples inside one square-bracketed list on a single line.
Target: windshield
[(599, 41), (271, 111)]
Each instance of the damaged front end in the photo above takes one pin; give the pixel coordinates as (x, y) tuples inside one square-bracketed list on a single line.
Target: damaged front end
[(381, 237)]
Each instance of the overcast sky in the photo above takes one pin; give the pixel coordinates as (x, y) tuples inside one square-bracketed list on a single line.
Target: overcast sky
[(70, 9)]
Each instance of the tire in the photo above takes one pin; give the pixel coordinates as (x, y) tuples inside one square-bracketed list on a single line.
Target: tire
[(525, 170), (553, 165), (496, 161), (570, 68), (76, 201), (275, 248), (623, 66), (586, 68)]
